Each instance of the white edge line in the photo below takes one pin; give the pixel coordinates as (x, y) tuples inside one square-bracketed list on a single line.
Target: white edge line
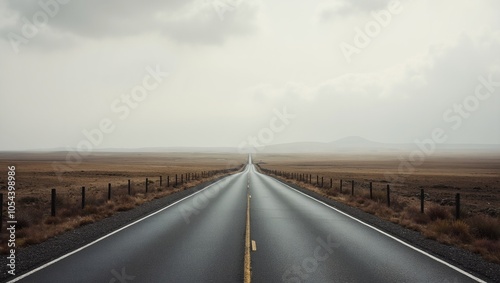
[(114, 232), (386, 234)]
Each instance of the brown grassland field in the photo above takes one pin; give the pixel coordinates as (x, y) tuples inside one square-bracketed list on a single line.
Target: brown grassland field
[(475, 176), (35, 177)]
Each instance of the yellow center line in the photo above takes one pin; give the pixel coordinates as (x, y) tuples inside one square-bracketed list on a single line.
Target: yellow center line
[(247, 270)]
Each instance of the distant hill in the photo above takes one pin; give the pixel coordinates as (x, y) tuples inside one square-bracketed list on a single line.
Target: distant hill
[(358, 145), (347, 145)]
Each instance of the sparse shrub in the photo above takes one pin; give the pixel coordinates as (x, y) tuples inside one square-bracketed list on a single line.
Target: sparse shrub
[(461, 230), (27, 217), (100, 198), (379, 196), (21, 234), (22, 223), (455, 228), (138, 199), (483, 226), (378, 209), (488, 248), (28, 200), (332, 192), (436, 212), (69, 211), (416, 216), (110, 205), (86, 220), (125, 206), (89, 210), (35, 236), (360, 200), (52, 220), (396, 204)]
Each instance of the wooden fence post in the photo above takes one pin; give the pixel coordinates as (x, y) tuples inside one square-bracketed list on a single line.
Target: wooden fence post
[(352, 187), (175, 180), (331, 183), (53, 202), (371, 191), (109, 191), (147, 181), (1, 212), (128, 186), (160, 180), (321, 182), (388, 196), (457, 202), (168, 181), (340, 185), (422, 197), (83, 197)]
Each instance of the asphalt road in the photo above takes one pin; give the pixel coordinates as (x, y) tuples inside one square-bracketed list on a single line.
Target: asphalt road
[(199, 239), (300, 239), (202, 238)]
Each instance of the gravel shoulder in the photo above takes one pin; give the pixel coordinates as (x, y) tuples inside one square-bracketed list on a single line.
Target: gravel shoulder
[(463, 259), (31, 257)]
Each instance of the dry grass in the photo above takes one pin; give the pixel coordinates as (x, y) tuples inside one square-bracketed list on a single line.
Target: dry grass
[(437, 212), (476, 178), (35, 178), (449, 231), (485, 227), (488, 248), (412, 213)]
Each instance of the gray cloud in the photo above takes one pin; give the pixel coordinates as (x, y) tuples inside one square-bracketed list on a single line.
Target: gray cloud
[(342, 8), (191, 21), (411, 97)]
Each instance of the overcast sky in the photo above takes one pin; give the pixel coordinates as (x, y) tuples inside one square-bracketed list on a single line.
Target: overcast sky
[(280, 71)]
